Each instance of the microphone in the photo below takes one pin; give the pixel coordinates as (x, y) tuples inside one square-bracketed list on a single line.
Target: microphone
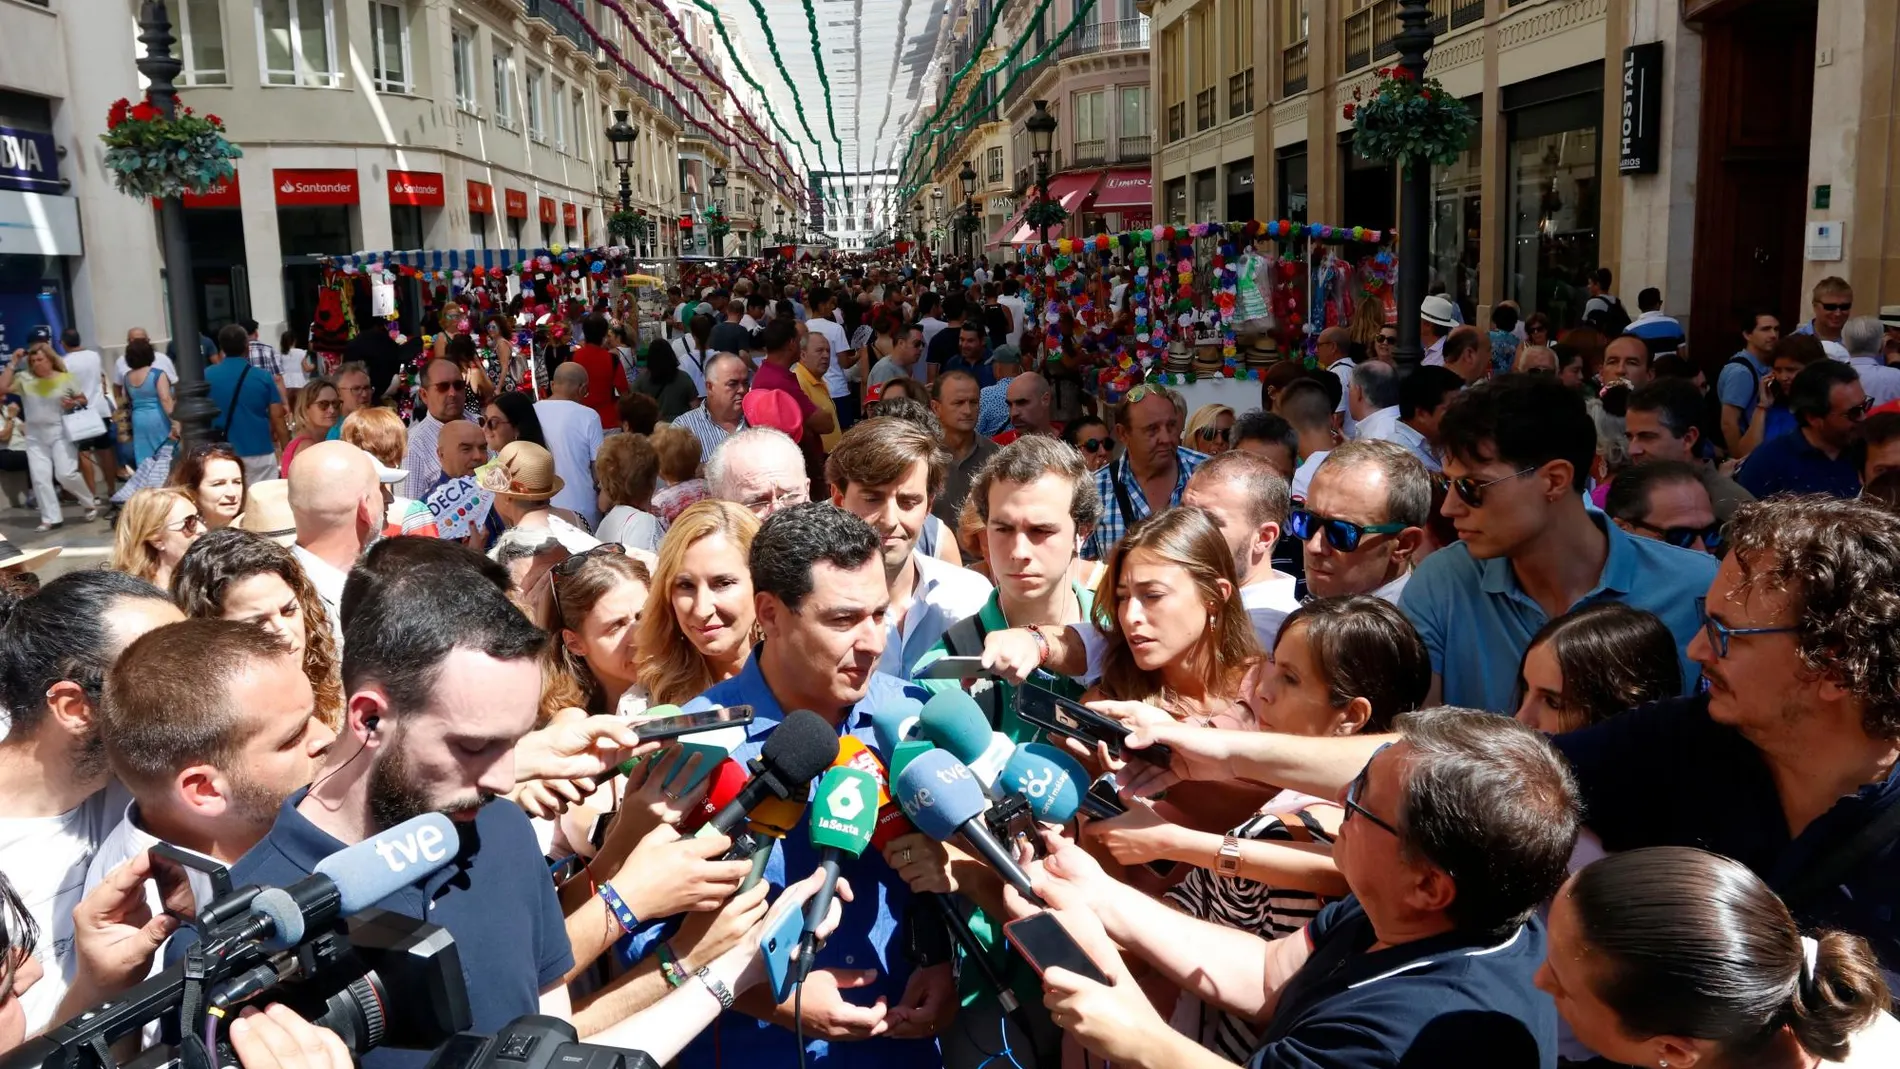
[(842, 815), (726, 782), (801, 747), (1048, 779), (953, 721), (942, 798)]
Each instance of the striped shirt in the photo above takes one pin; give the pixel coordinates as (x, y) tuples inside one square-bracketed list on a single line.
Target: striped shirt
[(710, 434), (420, 461)]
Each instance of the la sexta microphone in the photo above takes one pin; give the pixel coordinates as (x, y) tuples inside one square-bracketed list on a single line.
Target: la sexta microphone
[(954, 721), (798, 749), (942, 798), (852, 753), (1048, 779), (842, 815)]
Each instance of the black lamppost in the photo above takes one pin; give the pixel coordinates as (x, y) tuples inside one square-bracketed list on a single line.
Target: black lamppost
[(967, 177), (718, 184), (194, 410), (936, 209), (1042, 134), (917, 228), (621, 136), (779, 234), (1415, 194), (758, 222)]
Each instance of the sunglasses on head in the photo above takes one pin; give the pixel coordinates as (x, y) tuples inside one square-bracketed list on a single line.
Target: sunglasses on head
[(1685, 537), (1342, 535), (567, 568), (1471, 491)]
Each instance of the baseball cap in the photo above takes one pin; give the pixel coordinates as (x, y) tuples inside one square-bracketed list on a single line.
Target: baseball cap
[(387, 474), (775, 409), (1437, 309)]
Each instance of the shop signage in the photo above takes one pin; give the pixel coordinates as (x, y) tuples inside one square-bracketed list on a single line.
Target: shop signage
[(38, 224), (547, 210), (481, 198), (570, 215), (420, 188), (315, 188), (1639, 137), (517, 203), (28, 161), (222, 195)]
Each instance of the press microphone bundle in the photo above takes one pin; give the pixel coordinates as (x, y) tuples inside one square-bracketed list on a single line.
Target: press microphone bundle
[(843, 815), (802, 746), (954, 722), (943, 798)]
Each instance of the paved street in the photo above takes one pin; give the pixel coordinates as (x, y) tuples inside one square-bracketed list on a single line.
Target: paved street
[(87, 545)]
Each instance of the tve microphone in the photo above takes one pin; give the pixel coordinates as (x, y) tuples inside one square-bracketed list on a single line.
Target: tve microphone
[(798, 749), (355, 878), (1048, 779), (955, 723), (942, 798), (843, 813)]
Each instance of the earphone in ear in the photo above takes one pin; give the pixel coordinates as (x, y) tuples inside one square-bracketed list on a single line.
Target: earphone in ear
[(370, 723)]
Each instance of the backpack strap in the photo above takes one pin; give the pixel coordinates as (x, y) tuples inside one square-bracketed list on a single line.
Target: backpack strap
[(1836, 865)]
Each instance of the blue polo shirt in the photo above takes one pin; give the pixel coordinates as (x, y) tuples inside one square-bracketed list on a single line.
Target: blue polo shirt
[(1791, 464), (1450, 1000), (867, 938), (1477, 622), (1665, 774), (496, 900), (248, 429)]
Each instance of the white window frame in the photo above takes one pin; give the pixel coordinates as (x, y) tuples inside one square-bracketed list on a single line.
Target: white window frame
[(187, 36), (537, 117), (377, 75), (559, 97), (331, 76), (463, 61), (502, 71), (580, 123)]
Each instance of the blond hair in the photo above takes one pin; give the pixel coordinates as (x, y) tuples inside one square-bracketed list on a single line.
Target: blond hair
[(669, 666), (378, 432), (141, 523), (678, 451)]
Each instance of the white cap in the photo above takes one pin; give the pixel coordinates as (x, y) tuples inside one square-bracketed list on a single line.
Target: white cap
[(385, 474)]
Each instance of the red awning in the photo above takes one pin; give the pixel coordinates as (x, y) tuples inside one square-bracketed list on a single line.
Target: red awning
[(1068, 190), (1121, 190)]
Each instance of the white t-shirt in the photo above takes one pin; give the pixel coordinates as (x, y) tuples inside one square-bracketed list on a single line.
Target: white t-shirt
[(160, 362), (89, 372), (45, 858), (1019, 313), (1303, 478), (573, 434), (1269, 602), (294, 374), (631, 528), (835, 382)]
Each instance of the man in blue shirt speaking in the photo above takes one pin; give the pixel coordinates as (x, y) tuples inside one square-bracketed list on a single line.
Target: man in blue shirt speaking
[(818, 581)]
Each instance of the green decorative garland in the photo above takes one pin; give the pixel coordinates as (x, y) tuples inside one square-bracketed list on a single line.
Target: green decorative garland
[(1409, 119)]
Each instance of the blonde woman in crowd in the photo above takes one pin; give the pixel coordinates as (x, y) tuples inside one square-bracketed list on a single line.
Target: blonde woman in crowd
[(155, 529), (698, 628)]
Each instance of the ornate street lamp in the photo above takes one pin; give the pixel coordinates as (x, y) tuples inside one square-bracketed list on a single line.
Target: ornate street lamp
[(758, 222), (1042, 135), (1415, 194), (718, 184), (936, 209), (779, 234), (917, 228), (194, 410), (967, 178), (622, 135)]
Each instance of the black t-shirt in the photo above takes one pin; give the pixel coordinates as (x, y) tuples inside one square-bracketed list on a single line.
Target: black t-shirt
[(729, 337), (943, 347)]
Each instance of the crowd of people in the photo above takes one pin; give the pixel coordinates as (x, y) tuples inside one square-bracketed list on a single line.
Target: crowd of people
[(1537, 705)]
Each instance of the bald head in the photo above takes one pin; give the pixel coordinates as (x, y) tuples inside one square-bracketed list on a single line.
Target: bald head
[(1029, 403), (570, 382), (333, 490), (460, 448)]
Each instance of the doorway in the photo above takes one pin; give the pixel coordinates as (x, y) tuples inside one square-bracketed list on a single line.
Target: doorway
[(1752, 167)]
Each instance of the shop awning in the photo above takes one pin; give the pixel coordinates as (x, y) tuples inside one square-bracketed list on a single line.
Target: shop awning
[(1122, 190), (1068, 190)]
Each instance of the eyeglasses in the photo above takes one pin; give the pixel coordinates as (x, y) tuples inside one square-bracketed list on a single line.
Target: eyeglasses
[(1719, 633), (1388, 339), (777, 499), (1685, 537), (1472, 491), (567, 568), (1214, 434), (1859, 411), (451, 386), (1358, 787), (190, 525), (1342, 535), (1095, 445), (1845, 307), (331, 403)]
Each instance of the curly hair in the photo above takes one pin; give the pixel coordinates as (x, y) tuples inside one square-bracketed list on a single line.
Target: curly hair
[(221, 559), (1841, 559), (626, 468)]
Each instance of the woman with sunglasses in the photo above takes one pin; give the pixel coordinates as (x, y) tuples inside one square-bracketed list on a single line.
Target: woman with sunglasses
[(236, 575), (1089, 436), (155, 529), (1592, 663), (509, 417), (319, 405), (700, 630), (1537, 329), (1340, 666), (1210, 430)]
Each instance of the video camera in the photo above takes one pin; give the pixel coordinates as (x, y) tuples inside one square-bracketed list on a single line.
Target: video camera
[(319, 946), (535, 1042)]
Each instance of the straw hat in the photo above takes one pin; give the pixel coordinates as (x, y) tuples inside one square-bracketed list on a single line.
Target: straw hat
[(267, 511), (522, 470), (1438, 310), (13, 558)]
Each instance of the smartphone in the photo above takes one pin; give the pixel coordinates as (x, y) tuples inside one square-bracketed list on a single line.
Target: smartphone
[(1052, 712), (187, 881), (1102, 801), (662, 728), (1045, 944), (709, 759), (954, 668), (776, 947)]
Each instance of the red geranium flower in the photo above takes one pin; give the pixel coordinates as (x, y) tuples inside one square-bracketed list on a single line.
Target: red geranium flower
[(1351, 110), (144, 112), (215, 121), (115, 116)]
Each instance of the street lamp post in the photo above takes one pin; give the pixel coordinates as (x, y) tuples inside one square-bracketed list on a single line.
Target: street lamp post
[(1415, 194), (967, 177), (718, 184), (758, 222), (917, 229), (194, 410), (1042, 135), (621, 136), (936, 209)]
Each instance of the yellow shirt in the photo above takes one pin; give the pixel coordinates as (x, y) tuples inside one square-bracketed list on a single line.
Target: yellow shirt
[(821, 396)]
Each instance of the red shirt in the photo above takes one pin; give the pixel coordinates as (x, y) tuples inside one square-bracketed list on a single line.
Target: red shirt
[(606, 381), (1010, 434)]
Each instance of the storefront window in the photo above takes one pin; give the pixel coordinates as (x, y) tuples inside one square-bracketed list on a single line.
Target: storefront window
[(1551, 173), (1240, 190), (1291, 199), (1458, 226), (405, 226), (1176, 197), (1204, 205)]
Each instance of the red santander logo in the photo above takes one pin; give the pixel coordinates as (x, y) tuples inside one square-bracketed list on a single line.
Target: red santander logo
[(315, 187)]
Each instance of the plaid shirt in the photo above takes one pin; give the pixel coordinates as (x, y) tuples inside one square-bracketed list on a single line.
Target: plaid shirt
[(1114, 524), (263, 356)]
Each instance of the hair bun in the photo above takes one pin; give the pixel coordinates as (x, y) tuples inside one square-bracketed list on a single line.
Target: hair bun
[(1841, 998)]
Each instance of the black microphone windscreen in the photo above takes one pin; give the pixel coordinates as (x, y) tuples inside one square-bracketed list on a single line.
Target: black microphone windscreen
[(801, 747)]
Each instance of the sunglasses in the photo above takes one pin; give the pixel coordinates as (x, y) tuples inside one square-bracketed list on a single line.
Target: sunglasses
[(567, 568), (1685, 537), (1342, 535), (1095, 445), (190, 525), (1859, 411), (1214, 434), (1719, 633), (1826, 307), (1388, 339), (453, 386), (1358, 787), (1471, 491)]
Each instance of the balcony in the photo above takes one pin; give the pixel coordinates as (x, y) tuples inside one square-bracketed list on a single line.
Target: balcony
[(1372, 34), (562, 20), (1177, 121), (1091, 153), (1204, 110), (1134, 149), (1293, 70), (1240, 94), (1466, 12), (1120, 35)]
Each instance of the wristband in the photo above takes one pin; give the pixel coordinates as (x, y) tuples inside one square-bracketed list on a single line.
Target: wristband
[(1042, 643), (670, 966), (623, 915)]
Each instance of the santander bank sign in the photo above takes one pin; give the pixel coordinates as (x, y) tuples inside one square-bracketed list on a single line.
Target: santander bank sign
[(315, 188), (423, 189)]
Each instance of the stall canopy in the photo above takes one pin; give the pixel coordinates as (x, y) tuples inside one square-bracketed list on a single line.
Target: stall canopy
[(1068, 190)]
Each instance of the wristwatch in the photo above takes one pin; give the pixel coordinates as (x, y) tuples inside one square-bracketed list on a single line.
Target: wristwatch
[(1227, 861), (715, 985)]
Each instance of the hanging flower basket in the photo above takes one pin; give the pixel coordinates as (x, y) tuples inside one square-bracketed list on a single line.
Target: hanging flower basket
[(716, 225), (1408, 119), (624, 225), (152, 156), (1047, 213), (968, 224)]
